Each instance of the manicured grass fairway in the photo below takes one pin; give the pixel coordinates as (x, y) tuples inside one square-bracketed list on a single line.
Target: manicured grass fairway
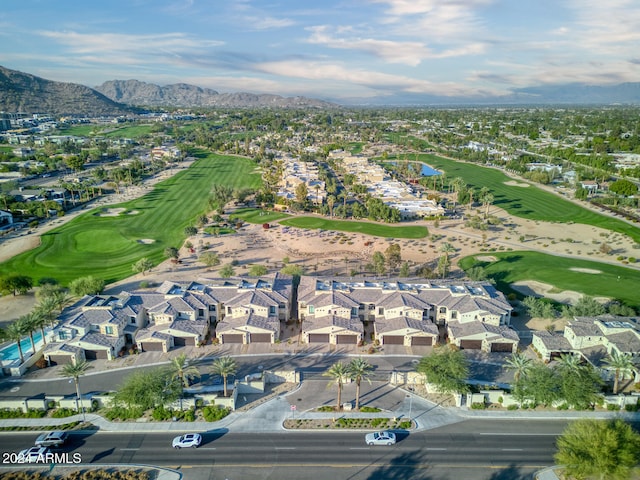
[(106, 247), (614, 282), (255, 215), (357, 227), (527, 202)]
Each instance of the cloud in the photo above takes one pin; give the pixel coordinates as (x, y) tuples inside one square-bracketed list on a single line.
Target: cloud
[(376, 82), (266, 23), (99, 43), (408, 53)]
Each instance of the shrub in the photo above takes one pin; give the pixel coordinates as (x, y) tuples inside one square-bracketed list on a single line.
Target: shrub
[(376, 422), (613, 407), (160, 414), (478, 406), (369, 409), (563, 406), (213, 413), (326, 408), (632, 408), (512, 407), (123, 413), (405, 425), (63, 412)]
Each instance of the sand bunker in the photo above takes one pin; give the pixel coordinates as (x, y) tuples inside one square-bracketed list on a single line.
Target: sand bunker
[(513, 183), (146, 241), (533, 288), (585, 270), (486, 258), (111, 212)]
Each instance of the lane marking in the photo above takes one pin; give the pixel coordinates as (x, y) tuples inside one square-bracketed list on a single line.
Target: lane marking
[(129, 449), (435, 448), (285, 448), (521, 434), (512, 449)]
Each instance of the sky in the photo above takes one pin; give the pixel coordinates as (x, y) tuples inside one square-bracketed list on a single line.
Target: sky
[(335, 50)]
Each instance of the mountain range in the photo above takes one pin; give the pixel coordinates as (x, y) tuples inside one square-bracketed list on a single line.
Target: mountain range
[(23, 92)]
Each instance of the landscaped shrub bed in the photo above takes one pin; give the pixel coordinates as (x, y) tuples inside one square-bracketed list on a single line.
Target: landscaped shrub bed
[(84, 474), (349, 423), (213, 413), (17, 413)]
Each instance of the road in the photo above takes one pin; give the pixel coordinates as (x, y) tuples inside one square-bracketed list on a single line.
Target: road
[(474, 449), (481, 369)]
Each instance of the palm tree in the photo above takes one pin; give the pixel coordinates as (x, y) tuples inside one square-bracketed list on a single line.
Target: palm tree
[(520, 364), (15, 333), (183, 371), (75, 371), (487, 200), (224, 366), (623, 365), (359, 370), (39, 321), (340, 374), (447, 248), (570, 363), (46, 308), (28, 324), (331, 200)]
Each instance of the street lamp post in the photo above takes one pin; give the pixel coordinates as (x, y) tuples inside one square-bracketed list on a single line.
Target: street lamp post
[(410, 397)]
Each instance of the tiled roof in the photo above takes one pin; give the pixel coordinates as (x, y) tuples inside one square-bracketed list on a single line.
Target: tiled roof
[(553, 341), (461, 330), (315, 323), (403, 322), (99, 339)]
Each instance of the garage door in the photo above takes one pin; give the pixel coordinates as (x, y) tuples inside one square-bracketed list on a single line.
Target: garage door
[(184, 341), (59, 359), (232, 338), (318, 338), (501, 347), (260, 338), (471, 344), (393, 340), (151, 346), (422, 341), (96, 354), (347, 339)]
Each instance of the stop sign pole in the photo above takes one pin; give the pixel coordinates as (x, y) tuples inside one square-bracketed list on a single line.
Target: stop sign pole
[(293, 411)]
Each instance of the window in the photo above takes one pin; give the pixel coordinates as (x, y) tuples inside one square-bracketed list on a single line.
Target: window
[(108, 330), (201, 312), (312, 309), (454, 314), (381, 311), (442, 310), (354, 311), (272, 310), (132, 320), (212, 308), (62, 335), (229, 310)]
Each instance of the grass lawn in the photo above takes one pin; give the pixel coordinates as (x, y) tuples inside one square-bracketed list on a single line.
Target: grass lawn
[(613, 281), (131, 131), (386, 231), (106, 246), (527, 202), (256, 215)]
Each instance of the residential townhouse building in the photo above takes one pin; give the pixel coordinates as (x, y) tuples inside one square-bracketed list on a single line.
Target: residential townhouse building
[(594, 338), (403, 312)]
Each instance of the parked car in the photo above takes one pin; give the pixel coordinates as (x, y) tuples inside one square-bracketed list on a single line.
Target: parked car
[(32, 455), (189, 440), (380, 438), (51, 439)]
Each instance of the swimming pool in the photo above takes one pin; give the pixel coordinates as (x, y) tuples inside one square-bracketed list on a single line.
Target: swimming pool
[(11, 352)]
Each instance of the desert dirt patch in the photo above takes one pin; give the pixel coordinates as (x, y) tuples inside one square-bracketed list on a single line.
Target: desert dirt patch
[(585, 270), (513, 183)]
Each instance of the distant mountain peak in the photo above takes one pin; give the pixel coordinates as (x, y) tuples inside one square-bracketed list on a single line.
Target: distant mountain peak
[(135, 92)]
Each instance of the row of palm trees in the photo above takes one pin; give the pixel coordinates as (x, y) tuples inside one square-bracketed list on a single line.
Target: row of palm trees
[(621, 363), (44, 314), (356, 370)]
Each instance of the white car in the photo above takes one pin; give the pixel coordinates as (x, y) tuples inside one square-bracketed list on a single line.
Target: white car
[(32, 455), (380, 438), (188, 440), (51, 439)]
